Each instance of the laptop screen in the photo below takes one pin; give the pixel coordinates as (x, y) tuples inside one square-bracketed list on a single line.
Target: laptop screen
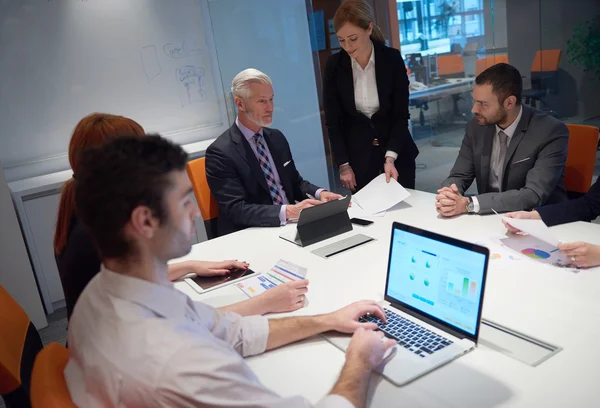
[(439, 279)]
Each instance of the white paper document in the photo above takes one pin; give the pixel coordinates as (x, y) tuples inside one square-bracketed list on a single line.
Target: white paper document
[(379, 196), (356, 211), (282, 272), (535, 228)]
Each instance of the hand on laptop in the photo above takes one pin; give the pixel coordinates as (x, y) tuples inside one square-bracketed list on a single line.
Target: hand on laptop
[(292, 211), (367, 348), (345, 320), (286, 297)]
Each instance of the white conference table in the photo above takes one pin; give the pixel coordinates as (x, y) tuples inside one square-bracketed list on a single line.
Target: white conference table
[(553, 305)]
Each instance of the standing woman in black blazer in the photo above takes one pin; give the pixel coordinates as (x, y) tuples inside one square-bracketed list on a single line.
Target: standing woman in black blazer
[(365, 92)]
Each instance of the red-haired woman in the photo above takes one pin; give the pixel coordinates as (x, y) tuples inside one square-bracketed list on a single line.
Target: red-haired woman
[(76, 255)]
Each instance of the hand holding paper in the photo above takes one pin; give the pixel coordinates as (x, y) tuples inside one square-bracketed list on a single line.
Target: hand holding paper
[(535, 228), (379, 195)]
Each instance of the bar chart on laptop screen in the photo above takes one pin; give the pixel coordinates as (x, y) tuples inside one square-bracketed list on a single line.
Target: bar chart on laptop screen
[(460, 285)]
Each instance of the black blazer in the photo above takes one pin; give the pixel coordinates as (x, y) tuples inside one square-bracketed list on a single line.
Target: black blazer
[(77, 264), (351, 133), (238, 183), (585, 208)]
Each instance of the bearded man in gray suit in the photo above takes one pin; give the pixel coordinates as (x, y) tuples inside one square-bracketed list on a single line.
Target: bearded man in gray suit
[(516, 154)]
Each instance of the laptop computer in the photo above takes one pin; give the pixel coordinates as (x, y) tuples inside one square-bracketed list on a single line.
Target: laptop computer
[(433, 299)]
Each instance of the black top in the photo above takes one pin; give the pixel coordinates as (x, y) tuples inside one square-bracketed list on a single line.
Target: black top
[(239, 185), (77, 264), (585, 208), (351, 133)]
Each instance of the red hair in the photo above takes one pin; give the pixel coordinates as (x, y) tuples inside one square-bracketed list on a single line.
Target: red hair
[(93, 130)]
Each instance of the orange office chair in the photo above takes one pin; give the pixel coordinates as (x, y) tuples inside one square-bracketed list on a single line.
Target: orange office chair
[(544, 76), (19, 344), (481, 64), (451, 66), (579, 170), (48, 385), (196, 170)]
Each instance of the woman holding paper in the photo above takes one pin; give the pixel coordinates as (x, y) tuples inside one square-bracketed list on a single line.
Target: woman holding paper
[(365, 95), (585, 208)]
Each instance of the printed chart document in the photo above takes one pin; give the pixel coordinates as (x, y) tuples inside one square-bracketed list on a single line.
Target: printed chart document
[(379, 196), (282, 272), (535, 228), (516, 251)]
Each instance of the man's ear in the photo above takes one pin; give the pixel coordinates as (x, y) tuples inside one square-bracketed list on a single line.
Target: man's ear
[(239, 103), (510, 102), (142, 222)]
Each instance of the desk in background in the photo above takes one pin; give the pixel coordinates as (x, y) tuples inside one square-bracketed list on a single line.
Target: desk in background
[(453, 87), (551, 304)]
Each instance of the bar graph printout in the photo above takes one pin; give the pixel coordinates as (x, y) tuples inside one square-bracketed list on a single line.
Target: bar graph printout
[(282, 272)]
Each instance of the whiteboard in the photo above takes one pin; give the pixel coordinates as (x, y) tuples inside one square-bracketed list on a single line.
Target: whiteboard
[(151, 60)]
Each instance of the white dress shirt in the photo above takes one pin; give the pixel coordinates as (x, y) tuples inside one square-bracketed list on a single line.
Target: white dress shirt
[(366, 97), (509, 132), (134, 343)]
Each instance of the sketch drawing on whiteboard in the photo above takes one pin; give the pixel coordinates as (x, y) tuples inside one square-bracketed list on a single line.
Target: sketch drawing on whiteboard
[(186, 49), (150, 62), (192, 80)]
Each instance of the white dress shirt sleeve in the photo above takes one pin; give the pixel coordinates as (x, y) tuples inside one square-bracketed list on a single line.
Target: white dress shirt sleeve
[(282, 215), (248, 335), (392, 154), (475, 205), (211, 374)]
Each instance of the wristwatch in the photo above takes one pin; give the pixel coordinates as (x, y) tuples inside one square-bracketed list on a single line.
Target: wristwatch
[(471, 206)]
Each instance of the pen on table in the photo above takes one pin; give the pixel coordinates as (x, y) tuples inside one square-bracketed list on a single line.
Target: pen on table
[(495, 212)]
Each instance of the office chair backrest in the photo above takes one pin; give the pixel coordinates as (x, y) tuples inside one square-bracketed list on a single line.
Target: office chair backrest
[(19, 344), (48, 385), (546, 61), (196, 170), (579, 170), (481, 64), (450, 65)]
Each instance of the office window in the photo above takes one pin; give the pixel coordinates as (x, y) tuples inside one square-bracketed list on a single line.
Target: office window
[(433, 26)]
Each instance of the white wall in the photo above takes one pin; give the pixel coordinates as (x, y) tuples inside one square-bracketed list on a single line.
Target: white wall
[(16, 274)]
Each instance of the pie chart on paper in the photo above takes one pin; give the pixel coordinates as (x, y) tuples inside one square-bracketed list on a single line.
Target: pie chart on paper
[(535, 253)]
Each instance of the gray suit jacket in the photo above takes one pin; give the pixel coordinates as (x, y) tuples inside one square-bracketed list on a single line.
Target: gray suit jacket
[(534, 165)]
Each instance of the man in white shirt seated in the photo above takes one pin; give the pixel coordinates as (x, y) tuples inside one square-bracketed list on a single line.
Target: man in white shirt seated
[(137, 341)]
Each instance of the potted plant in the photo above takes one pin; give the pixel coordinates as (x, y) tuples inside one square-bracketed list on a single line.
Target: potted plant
[(583, 49)]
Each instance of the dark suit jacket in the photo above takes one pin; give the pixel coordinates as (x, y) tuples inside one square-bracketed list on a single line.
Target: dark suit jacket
[(77, 264), (534, 165), (585, 208), (351, 133), (238, 183)]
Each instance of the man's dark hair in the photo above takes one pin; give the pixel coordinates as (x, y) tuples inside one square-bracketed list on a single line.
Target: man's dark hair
[(119, 176), (505, 81)]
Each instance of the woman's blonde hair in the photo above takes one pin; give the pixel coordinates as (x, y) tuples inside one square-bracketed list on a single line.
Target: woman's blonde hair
[(358, 13)]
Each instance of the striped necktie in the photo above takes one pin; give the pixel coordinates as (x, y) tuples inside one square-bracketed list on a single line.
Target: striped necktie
[(263, 160)]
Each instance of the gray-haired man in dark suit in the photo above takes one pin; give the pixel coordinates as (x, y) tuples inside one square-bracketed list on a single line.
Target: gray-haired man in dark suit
[(516, 153)]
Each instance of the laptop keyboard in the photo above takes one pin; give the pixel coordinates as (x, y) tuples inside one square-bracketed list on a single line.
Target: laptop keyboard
[(410, 335)]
